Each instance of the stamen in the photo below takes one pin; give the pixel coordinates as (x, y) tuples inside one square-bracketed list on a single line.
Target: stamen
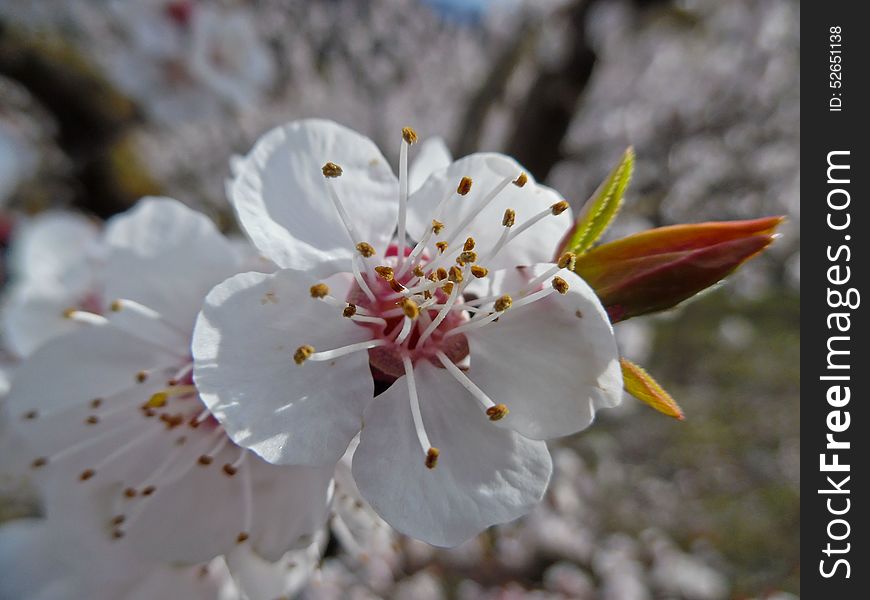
[(497, 412), (560, 285), (408, 138), (410, 308), (469, 244), (503, 303), (479, 272), (464, 186), (437, 226), (418, 271), (431, 453), (559, 207), (360, 280), (331, 170), (319, 290), (492, 409), (232, 468), (407, 325), (349, 310), (368, 319), (181, 373), (442, 246), (451, 300), (386, 273), (337, 352), (521, 180), (303, 353), (83, 316), (568, 261), (365, 249), (147, 324), (455, 274), (466, 257), (159, 399), (495, 191), (208, 458), (510, 217)]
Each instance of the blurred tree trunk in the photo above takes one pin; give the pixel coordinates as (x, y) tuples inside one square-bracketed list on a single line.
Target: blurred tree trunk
[(543, 118)]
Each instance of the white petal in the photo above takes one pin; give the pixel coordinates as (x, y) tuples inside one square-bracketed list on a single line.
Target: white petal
[(289, 506), (281, 199), (553, 362), (487, 170), (243, 346), (33, 314), (91, 363), (485, 474), (167, 257), (285, 577), (56, 247), (430, 156)]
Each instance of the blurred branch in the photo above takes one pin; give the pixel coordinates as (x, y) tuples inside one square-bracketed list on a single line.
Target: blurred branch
[(92, 117), (493, 89), (543, 118)]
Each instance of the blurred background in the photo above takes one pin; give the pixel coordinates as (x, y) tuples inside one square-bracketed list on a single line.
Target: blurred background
[(103, 101)]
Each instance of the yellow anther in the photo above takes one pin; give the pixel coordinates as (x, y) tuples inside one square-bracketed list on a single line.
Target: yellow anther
[(116, 306), (510, 217), (432, 457), (87, 474), (442, 247), (468, 245), (349, 310), (331, 170), (448, 288), (497, 412), (242, 538), (427, 294), (464, 186), (141, 376), (69, 313), (503, 303), (418, 271), (522, 180), (409, 135), (479, 272), (303, 353), (560, 285), (410, 308), (455, 274), (567, 261), (441, 273), (466, 257), (559, 207), (157, 400), (437, 226), (386, 273), (365, 249), (319, 290), (396, 286), (433, 276)]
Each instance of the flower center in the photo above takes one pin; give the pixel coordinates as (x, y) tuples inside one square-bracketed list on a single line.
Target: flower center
[(157, 417), (414, 300)]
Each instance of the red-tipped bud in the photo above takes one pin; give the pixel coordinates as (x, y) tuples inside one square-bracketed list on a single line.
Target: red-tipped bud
[(657, 269)]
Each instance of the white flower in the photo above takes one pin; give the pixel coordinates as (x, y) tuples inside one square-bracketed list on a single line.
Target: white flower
[(55, 263), (116, 424), (39, 562), (228, 56), (484, 359)]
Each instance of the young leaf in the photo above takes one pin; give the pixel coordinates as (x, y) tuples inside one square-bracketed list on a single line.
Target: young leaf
[(639, 384), (600, 210)]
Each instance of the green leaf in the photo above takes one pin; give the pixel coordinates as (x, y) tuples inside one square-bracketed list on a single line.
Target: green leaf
[(600, 210), (642, 386)]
